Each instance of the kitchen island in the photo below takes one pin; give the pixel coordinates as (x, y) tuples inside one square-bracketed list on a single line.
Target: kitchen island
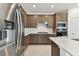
[(70, 47)]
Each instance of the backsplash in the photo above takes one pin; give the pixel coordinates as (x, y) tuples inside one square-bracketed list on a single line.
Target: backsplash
[(41, 27)]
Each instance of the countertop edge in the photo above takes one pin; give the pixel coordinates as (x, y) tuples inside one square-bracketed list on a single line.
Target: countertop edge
[(61, 46)]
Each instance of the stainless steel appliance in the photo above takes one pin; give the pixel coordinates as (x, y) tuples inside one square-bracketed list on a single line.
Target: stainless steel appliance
[(6, 32), (15, 16), (14, 28), (18, 31), (2, 32), (61, 28)]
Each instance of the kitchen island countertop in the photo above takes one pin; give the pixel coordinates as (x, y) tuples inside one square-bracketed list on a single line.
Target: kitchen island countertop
[(69, 45)]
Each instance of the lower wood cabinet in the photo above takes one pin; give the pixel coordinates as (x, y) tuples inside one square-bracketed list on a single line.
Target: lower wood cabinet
[(43, 39), (37, 39), (33, 39), (25, 40), (55, 51)]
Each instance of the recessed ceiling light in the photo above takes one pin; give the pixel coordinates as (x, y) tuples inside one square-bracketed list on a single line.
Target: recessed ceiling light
[(78, 4), (52, 6), (34, 6)]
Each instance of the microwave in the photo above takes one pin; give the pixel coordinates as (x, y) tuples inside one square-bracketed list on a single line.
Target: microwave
[(9, 24), (61, 24)]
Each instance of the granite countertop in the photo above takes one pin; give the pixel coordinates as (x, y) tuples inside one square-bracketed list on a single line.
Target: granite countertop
[(69, 45)]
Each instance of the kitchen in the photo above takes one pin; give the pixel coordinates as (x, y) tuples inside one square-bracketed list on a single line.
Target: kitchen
[(40, 27), (40, 24)]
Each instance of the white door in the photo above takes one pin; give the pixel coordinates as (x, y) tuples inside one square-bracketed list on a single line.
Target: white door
[(73, 28)]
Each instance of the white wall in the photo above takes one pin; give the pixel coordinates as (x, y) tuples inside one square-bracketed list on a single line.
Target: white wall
[(4, 8)]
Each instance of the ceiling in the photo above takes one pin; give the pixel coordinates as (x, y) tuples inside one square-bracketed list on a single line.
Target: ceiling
[(44, 8)]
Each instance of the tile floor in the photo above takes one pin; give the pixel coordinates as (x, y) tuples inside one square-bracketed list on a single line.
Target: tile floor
[(38, 50)]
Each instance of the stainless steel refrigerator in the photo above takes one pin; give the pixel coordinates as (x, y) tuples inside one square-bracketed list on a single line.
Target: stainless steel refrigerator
[(15, 16)]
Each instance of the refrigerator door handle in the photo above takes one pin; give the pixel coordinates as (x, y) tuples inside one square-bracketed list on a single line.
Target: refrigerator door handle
[(20, 29), (18, 36)]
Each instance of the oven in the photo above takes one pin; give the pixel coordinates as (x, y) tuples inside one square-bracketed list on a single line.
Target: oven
[(61, 28)]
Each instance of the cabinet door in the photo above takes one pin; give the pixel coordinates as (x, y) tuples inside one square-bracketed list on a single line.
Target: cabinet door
[(23, 15), (33, 39), (43, 39), (27, 21), (31, 21), (50, 21), (25, 40), (73, 28), (55, 51), (30, 39), (40, 39)]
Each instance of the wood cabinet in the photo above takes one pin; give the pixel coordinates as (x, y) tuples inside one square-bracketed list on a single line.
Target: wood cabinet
[(55, 51), (51, 21), (33, 39), (43, 39), (36, 39), (25, 40), (39, 39), (42, 19), (61, 17), (31, 21), (27, 21), (23, 16)]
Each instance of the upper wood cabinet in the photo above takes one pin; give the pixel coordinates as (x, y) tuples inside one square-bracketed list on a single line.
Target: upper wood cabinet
[(23, 18), (31, 21), (51, 21), (42, 18), (23, 15), (61, 17)]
